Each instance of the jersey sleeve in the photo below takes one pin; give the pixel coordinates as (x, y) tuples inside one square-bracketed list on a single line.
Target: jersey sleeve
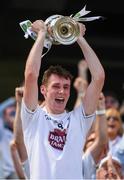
[(27, 116)]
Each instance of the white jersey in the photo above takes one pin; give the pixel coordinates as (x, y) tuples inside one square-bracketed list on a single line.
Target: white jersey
[(54, 143)]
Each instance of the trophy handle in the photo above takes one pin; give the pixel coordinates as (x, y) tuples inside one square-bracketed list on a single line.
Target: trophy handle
[(26, 27)]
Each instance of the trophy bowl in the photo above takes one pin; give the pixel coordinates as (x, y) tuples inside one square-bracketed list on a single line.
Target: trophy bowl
[(62, 29)]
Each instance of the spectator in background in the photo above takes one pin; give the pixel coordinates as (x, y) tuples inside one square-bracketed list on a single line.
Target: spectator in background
[(95, 147), (119, 154), (96, 142), (111, 100), (18, 149), (93, 140), (110, 168), (115, 129), (8, 120), (8, 102)]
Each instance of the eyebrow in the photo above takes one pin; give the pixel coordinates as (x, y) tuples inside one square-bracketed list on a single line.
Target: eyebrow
[(66, 84)]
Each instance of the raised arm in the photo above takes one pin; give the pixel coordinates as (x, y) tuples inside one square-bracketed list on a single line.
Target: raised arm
[(81, 82), (33, 66), (17, 146), (16, 160), (18, 133), (98, 147), (92, 94)]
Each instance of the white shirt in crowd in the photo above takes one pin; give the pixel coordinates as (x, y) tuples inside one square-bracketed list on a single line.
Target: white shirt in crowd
[(114, 145), (54, 143), (8, 166), (89, 166)]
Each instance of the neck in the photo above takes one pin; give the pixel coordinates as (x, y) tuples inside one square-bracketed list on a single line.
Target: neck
[(51, 111), (112, 136)]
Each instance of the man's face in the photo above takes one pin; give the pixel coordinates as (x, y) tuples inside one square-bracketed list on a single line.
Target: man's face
[(56, 93)]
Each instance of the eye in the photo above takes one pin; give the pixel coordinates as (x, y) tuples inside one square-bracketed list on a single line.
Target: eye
[(56, 86), (66, 87)]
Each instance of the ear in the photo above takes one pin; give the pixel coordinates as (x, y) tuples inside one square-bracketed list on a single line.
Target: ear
[(43, 90)]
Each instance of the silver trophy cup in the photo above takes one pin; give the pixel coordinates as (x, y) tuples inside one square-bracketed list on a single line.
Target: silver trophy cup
[(62, 29)]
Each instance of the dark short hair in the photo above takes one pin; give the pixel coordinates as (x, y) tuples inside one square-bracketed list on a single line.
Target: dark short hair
[(58, 70)]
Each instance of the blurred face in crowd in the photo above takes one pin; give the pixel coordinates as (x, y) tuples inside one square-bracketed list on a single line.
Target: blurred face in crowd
[(114, 123), (9, 115), (110, 169), (111, 102), (56, 93)]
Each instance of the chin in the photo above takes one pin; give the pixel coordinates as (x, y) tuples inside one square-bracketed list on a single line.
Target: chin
[(60, 110)]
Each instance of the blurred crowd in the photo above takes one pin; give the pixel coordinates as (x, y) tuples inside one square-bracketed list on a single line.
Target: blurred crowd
[(106, 144)]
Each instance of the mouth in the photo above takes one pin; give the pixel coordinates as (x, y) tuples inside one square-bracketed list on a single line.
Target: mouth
[(111, 126), (59, 100)]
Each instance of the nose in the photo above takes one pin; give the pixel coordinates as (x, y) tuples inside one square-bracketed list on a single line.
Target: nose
[(61, 90), (111, 119)]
